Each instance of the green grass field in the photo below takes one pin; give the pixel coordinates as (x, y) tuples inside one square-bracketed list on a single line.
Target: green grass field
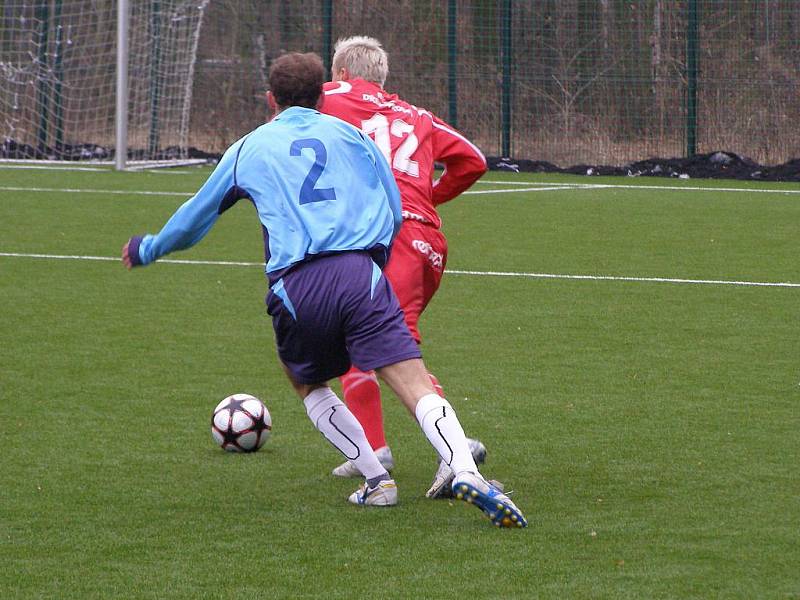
[(649, 428)]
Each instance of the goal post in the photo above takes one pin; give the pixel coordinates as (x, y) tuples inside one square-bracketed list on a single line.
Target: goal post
[(121, 113), (98, 80)]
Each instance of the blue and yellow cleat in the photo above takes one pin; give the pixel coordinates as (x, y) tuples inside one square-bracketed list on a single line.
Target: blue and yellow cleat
[(442, 486), (474, 489)]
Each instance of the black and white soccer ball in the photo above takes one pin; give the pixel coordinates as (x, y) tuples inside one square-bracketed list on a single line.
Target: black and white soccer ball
[(241, 423)]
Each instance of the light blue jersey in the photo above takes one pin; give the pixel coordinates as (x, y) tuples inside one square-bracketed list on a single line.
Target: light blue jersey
[(319, 186)]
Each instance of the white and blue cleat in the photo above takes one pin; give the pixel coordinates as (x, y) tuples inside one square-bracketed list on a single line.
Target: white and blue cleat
[(383, 494), (349, 468), (474, 489)]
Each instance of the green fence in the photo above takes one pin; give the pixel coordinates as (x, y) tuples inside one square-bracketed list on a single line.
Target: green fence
[(567, 81)]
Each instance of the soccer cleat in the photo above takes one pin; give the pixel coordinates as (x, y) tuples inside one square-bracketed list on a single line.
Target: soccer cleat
[(478, 451), (442, 480), (474, 489), (349, 469), (383, 494)]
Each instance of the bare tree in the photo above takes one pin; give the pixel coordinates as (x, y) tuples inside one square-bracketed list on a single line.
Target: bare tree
[(571, 81)]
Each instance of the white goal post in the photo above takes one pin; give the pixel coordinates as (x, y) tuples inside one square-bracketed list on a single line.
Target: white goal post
[(98, 80)]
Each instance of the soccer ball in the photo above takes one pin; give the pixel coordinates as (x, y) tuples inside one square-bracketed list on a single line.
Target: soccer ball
[(241, 423)]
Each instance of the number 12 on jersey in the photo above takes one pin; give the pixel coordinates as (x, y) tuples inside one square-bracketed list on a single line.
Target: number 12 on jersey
[(378, 126)]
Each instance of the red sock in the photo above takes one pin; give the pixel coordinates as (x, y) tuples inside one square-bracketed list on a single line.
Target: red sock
[(436, 385), (362, 395)]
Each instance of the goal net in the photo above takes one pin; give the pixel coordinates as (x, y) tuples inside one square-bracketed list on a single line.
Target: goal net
[(58, 64)]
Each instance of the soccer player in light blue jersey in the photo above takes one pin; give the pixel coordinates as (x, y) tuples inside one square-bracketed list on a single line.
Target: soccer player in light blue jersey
[(329, 209)]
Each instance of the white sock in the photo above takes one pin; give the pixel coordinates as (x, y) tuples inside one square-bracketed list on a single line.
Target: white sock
[(443, 430), (335, 421)]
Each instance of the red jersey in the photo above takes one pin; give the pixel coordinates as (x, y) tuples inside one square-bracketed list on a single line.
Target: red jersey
[(411, 139)]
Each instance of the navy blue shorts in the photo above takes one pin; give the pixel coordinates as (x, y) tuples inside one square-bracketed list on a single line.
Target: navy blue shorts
[(334, 310)]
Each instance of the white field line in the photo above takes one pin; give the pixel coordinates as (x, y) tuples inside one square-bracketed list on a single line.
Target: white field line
[(226, 263), (88, 191), (168, 261), (533, 187), (489, 182), (172, 171), (100, 169), (528, 189), (599, 186), (621, 278), (189, 194), (551, 186), (52, 168), (131, 165)]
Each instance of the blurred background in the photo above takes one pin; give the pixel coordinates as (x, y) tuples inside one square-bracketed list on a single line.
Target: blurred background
[(564, 81)]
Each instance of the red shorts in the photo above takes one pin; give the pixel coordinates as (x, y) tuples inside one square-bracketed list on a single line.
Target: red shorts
[(416, 265)]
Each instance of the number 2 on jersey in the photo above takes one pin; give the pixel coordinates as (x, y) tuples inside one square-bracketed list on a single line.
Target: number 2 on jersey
[(309, 193), (378, 126)]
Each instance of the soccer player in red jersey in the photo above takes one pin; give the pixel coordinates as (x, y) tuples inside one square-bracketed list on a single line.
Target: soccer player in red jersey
[(412, 140)]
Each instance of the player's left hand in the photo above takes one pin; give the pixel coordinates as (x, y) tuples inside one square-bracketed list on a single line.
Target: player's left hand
[(126, 259), (130, 253)]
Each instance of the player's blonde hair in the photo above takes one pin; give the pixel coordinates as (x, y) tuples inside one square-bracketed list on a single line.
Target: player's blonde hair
[(363, 57)]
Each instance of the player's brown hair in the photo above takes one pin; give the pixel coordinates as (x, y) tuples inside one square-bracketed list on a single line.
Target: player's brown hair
[(295, 79)]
